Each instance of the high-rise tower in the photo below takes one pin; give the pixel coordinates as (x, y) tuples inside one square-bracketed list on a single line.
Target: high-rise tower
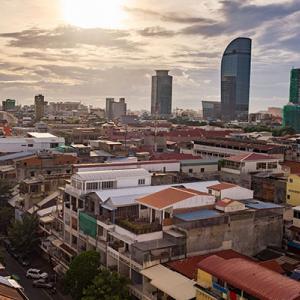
[(235, 80), (161, 94)]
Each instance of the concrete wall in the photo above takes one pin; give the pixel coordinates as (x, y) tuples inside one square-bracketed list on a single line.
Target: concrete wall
[(245, 233)]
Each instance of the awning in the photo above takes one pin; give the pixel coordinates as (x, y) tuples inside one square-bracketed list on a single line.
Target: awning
[(46, 219), (172, 283), (295, 229)]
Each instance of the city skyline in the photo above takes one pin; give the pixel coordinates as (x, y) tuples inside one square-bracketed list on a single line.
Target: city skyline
[(46, 51)]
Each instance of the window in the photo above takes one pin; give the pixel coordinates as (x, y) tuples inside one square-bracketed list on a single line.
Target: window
[(106, 185), (92, 185), (202, 170), (143, 207), (32, 173), (288, 197), (54, 145), (142, 181), (296, 214), (272, 165), (30, 145), (49, 172), (190, 170), (260, 166), (291, 180)]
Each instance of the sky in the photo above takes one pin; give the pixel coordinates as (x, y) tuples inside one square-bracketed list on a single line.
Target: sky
[(87, 50)]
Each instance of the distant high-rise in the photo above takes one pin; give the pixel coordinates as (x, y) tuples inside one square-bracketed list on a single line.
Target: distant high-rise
[(295, 86), (161, 93), (235, 80), (291, 111), (9, 104), (39, 106), (115, 110), (211, 110)]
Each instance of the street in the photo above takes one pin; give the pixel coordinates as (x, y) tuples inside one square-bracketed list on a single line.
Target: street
[(14, 268)]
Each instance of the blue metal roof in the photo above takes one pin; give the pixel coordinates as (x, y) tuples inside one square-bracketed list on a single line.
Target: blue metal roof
[(197, 215), (16, 155), (256, 204)]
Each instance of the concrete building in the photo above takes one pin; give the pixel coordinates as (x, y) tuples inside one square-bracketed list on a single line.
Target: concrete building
[(269, 187), (115, 110), (239, 168), (39, 107), (161, 94), (225, 147), (211, 110), (293, 190), (229, 190), (33, 142), (235, 80)]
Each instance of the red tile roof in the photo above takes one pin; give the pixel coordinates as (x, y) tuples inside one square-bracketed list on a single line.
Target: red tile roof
[(224, 202), (250, 157), (222, 186), (251, 277), (189, 266), (172, 156), (293, 166), (169, 196)]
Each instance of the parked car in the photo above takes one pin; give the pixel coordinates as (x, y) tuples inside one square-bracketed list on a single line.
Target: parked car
[(36, 274), (42, 283)]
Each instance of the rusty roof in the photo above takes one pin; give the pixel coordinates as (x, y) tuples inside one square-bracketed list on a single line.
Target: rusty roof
[(250, 157), (169, 196), (222, 186), (252, 278), (188, 266)]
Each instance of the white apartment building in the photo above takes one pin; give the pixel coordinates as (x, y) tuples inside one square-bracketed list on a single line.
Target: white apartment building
[(33, 142)]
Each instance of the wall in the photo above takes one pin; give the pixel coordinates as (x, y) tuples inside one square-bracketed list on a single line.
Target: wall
[(261, 232), (293, 190)]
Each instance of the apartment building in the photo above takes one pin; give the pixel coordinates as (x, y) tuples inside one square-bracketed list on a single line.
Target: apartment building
[(136, 226), (238, 168)]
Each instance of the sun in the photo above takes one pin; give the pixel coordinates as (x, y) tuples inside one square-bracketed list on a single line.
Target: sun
[(93, 13)]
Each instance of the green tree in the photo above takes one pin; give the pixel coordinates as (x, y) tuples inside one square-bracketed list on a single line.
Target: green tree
[(107, 286), (23, 234), (81, 273), (5, 188), (6, 216)]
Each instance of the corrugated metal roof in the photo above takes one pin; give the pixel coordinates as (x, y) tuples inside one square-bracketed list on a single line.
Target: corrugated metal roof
[(172, 283), (110, 174), (252, 278), (146, 190), (256, 204), (197, 215), (169, 196), (16, 155)]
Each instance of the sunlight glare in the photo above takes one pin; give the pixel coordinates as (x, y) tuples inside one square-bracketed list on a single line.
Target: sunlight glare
[(93, 13)]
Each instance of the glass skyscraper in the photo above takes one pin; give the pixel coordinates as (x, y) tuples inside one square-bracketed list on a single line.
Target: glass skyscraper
[(291, 111), (161, 94), (235, 80)]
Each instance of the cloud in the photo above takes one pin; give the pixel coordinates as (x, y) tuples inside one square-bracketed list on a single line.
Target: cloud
[(156, 31), (70, 37), (169, 17), (243, 16)]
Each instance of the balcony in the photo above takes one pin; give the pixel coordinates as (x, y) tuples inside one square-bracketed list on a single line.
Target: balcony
[(139, 226)]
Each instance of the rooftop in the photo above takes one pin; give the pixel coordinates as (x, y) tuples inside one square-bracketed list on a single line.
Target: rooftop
[(41, 135), (110, 174), (250, 157), (256, 204), (252, 278), (168, 197), (197, 215), (222, 186)]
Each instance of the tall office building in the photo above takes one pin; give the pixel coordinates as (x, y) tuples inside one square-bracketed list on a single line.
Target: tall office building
[(295, 86), (211, 110), (161, 93), (39, 107), (235, 80), (291, 111), (9, 104), (115, 110)]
